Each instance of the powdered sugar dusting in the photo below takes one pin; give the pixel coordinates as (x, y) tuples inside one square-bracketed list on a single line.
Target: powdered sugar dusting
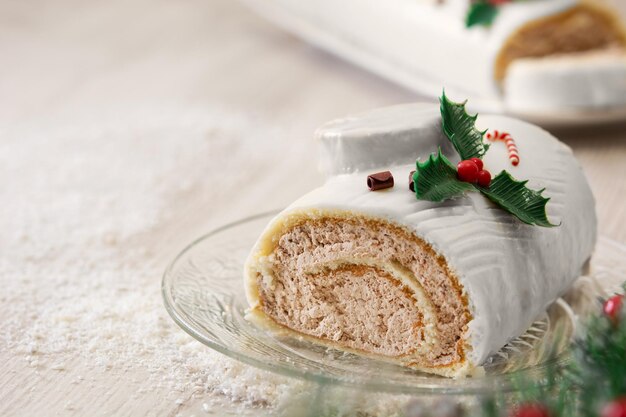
[(80, 282)]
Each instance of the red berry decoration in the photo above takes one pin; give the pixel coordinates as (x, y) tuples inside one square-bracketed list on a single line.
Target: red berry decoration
[(616, 408), (467, 171), (484, 178), (530, 410), (613, 306), (478, 162)]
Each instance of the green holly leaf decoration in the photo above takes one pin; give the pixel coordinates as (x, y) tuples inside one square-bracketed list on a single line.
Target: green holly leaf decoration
[(460, 129), (513, 196), (436, 179), (481, 13)]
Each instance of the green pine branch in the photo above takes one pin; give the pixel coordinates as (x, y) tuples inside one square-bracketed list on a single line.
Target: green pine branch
[(582, 386)]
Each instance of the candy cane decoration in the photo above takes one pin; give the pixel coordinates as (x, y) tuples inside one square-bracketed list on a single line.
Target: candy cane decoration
[(509, 142)]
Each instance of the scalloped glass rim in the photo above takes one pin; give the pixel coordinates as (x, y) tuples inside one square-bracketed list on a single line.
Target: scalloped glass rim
[(203, 292)]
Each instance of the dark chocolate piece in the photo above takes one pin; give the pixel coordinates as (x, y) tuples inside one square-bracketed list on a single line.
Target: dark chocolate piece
[(411, 183), (379, 181)]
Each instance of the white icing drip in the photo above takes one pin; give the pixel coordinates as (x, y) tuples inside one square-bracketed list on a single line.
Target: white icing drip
[(510, 271)]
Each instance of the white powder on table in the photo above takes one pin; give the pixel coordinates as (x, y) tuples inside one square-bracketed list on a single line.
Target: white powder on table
[(80, 282)]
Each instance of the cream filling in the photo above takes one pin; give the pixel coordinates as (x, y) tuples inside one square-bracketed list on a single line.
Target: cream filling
[(401, 275)]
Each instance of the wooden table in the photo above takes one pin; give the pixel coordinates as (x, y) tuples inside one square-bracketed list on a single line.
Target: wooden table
[(71, 56)]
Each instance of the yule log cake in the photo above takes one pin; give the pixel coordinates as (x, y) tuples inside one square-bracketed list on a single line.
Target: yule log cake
[(434, 269), (530, 55)]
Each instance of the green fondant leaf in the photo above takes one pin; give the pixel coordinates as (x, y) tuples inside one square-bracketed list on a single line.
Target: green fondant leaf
[(460, 128), (513, 196), (436, 180), (481, 13)]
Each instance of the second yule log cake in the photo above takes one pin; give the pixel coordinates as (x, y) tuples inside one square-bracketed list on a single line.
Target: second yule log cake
[(528, 55), (433, 264)]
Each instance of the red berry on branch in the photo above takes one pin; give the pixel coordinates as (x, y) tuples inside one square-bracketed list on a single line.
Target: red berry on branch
[(616, 408), (484, 178), (613, 306), (467, 171), (530, 410), (478, 162)]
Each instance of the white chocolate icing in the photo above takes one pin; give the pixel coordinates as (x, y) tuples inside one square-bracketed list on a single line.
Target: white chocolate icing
[(424, 45), (534, 85), (510, 271), (349, 144)]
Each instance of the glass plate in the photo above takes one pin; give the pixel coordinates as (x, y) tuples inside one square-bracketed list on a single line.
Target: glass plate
[(204, 293)]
